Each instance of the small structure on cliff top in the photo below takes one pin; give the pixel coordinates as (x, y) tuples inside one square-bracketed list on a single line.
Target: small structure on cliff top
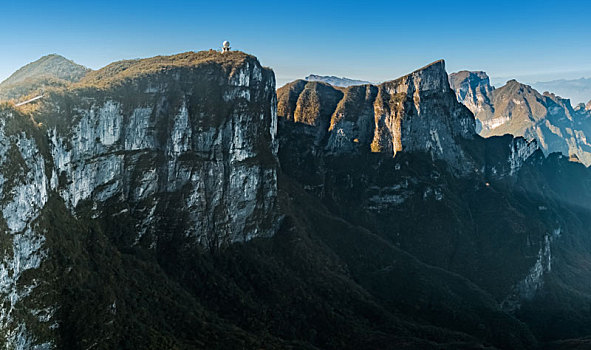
[(226, 46)]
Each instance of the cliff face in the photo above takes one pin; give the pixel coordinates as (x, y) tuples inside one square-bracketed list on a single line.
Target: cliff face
[(183, 154), (417, 112), (201, 144), (473, 89), (520, 110), (490, 210), (377, 210)]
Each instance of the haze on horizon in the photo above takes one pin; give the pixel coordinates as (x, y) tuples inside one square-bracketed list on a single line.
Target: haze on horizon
[(530, 40)]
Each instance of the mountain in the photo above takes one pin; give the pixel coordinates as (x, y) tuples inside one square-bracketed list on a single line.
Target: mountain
[(335, 81), (520, 110), (48, 71), (131, 160), (181, 202), (385, 118), (473, 89), (495, 211), (577, 90)]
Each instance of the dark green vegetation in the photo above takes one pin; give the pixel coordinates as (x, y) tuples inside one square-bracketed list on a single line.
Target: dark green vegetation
[(522, 239), (486, 229)]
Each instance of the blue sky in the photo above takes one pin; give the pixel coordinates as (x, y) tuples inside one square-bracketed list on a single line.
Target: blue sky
[(377, 41)]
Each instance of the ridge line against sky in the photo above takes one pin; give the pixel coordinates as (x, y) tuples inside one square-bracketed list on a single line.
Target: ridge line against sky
[(542, 40)]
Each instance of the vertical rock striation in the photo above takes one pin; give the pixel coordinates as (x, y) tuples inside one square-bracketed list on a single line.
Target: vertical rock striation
[(191, 149), (415, 113), (172, 151), (473, 89), (520, 110)]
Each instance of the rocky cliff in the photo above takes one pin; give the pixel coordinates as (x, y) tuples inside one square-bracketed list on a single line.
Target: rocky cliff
[(205, 139), (417, 112), (160, 203), (501, 221), (473, 89), (173, 150), (520, 110)]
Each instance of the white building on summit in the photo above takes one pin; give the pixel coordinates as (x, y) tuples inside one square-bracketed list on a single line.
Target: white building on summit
[(226, 46)]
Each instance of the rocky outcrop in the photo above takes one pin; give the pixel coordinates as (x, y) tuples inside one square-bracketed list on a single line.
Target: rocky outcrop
[(473, 89), (172, 142), (417, 112), (24, 189), (501, 223), (185, 153), (520, 110), (398, 226)]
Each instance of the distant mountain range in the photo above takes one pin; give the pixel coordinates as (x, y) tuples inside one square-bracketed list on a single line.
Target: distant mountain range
[(577, 90), (336, 81)]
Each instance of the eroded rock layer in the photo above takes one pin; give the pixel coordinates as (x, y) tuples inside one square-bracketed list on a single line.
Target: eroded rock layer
[(182, 152), (417, 112)]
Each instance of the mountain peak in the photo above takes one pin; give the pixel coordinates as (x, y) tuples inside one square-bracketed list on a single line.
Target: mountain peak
[(53, 65), (414, 113), (473, 89), (518, 87), (436, 68), (520, 110), (439, 64), (336, 81), (48, 71), (473, 78), (430, 77)]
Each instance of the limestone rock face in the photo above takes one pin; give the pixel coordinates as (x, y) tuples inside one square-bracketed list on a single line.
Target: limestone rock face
[(184, 154), (505, 212), (121, 196), (417, 112), (24, 189), (200, 143), (473, 89), (520, 110)]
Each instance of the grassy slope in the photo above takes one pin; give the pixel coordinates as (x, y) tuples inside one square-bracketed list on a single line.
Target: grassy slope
[(52, 71)]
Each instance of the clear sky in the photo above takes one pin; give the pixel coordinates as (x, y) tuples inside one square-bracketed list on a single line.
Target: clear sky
[(371, 40)]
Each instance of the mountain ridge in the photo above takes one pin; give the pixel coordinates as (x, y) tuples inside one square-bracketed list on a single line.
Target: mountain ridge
[(48, 71), (578, 90), (181, 202), (335, 81), (503, 211), (520, 110)]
